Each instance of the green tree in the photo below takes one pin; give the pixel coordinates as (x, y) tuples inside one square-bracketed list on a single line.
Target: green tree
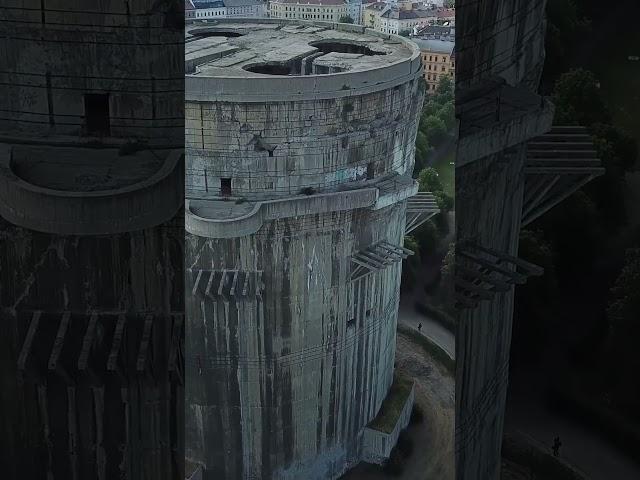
[(444, 90), (445, 202), (412, 265), (434, 128), (578, 100), (565, 24), (429, 181), (346, 19), (446, 290), (447, 114)]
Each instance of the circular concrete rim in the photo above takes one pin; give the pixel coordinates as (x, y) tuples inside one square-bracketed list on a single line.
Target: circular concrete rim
[(143, 205), (168, 166), (330, 85)]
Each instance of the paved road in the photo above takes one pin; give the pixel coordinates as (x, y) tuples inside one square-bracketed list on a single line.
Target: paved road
[(408, 315), (581, 446), (431, 329)]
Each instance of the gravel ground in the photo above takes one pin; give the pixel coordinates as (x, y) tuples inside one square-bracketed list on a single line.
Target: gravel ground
[(433, 455)]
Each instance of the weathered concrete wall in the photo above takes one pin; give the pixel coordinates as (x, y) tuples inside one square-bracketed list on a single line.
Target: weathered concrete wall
[(282, 378), (500, 38), (287, 146), (494, 38), (81, 419), (132, 50), (291, 377), (483, 336)]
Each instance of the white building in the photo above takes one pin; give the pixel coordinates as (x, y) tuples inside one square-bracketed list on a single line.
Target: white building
[(212, 9), (323, 10)]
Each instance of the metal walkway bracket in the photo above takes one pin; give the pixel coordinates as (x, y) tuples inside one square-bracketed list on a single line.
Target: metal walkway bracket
[(482, 272), (78, 351), (558, 164), (377, 257), (420, 208), (227, 284)]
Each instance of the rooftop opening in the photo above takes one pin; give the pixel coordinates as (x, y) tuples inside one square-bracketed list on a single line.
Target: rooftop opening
[(276, 68), (343, 46), (207, 32)]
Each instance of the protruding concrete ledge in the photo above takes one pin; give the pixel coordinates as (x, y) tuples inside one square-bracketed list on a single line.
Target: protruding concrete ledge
[(381, 435), (222, 218), (395, 190), (65, 209), (495, 117)]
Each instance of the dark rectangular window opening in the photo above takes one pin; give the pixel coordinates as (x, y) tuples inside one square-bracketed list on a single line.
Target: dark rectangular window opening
[(370, 170), (225, 186), (96, 113), (368, 313)]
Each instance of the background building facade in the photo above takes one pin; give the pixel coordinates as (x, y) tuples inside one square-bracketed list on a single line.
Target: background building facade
[(323, 10), (438, 59)]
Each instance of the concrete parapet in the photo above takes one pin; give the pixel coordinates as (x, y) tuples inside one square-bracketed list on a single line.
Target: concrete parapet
[(203, 216), (32, 202), (495, 137)]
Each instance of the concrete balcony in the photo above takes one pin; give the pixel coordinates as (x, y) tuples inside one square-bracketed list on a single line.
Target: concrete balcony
[(79, 190), (495, 116), (231, 217)]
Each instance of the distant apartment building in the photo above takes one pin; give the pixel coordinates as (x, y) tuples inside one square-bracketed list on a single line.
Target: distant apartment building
[(371, 14), (404, 17), (212, 9), (436, 32), (438, 59), (323, 10)]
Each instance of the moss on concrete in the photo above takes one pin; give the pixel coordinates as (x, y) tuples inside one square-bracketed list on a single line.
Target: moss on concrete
[(392, 405)]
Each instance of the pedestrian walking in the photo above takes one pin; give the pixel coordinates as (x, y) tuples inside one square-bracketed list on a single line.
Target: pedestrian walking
[(556, 446)]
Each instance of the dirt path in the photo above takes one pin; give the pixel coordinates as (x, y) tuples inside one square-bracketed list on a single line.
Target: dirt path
[(433, 457)]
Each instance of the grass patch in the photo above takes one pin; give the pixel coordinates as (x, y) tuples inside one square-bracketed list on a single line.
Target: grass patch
[(430, 348), (392, 405)]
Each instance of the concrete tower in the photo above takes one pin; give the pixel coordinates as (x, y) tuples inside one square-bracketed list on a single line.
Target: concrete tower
[(300, 147), (512, 165), (91, 189)]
